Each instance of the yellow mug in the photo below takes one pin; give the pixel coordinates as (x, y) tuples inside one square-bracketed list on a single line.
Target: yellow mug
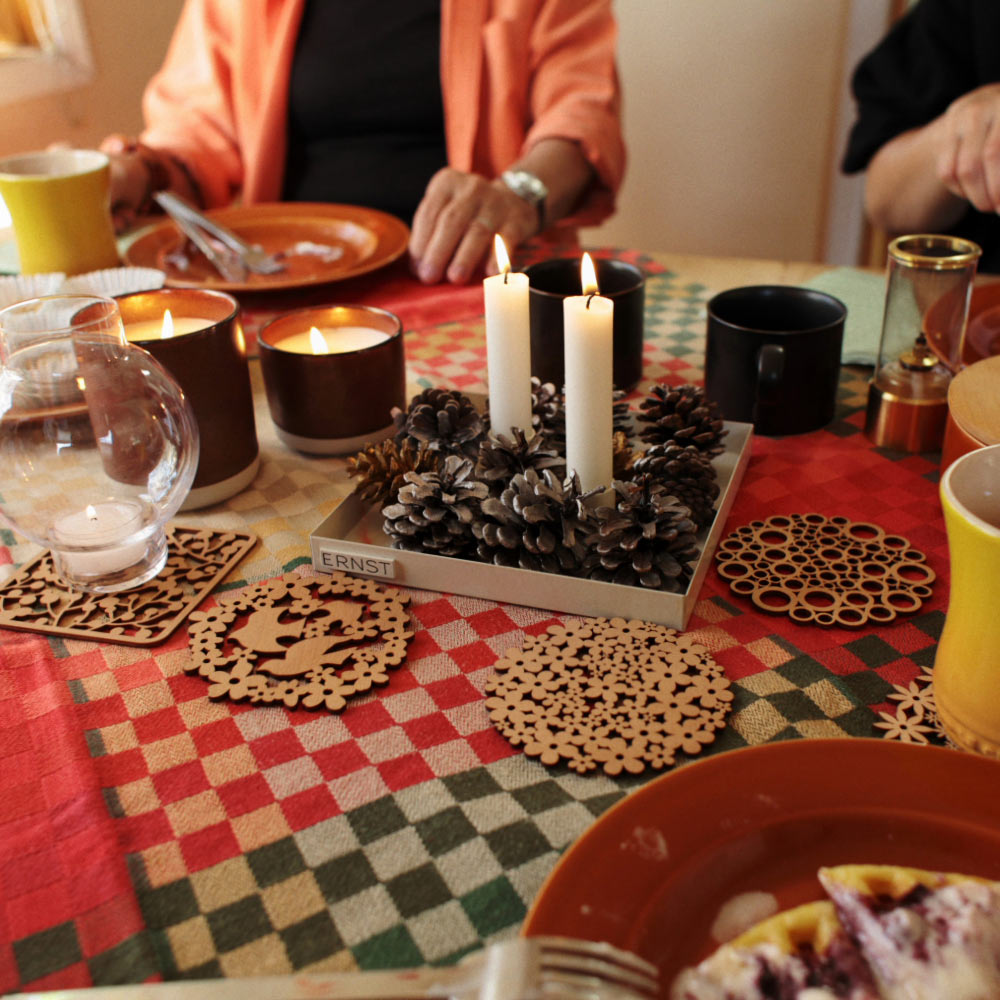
[(967, 664), (59, 202)]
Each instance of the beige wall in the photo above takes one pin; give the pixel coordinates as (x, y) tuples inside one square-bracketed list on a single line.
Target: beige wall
[(730, 116), (128, 39)]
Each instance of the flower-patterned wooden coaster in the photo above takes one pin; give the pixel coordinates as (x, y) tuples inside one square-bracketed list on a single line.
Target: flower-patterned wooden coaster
[(35, 599), (915, 718), (825, 570), (310, 641), (617, 694)]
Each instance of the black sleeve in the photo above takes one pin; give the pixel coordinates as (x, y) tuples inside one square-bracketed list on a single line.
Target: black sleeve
[(928, 59)]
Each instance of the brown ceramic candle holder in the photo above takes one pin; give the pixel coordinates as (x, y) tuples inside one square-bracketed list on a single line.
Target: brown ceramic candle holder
[(333, 403), (210, 364), (550, 281)]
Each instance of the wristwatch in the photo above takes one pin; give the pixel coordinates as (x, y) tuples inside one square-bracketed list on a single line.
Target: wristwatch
[(529, 187)]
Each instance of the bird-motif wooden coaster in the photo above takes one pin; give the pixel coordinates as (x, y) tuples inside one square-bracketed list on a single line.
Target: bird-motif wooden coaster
[(825, 570), (310, 641), (616, 694), (35, 599)]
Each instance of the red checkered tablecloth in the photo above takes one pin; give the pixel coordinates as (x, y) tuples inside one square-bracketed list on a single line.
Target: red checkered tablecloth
[(147, 832)]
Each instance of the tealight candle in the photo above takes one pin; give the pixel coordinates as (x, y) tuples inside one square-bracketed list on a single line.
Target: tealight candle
[(163, 329), (508, 346), (332, 340), (102, 530), (588, 347)]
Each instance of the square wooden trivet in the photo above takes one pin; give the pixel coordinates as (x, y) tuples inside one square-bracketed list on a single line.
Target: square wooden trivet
[(35, 599)]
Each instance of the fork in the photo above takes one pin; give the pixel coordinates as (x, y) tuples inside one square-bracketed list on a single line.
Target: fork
[(516, 969), (251, 256)]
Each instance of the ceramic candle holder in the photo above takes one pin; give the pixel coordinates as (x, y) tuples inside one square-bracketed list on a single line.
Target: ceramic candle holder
[(207, 357), (551, 281), (334, 403)]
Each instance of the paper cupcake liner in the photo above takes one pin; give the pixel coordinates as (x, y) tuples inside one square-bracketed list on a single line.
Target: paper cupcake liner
[(113, 281), (18, 287)]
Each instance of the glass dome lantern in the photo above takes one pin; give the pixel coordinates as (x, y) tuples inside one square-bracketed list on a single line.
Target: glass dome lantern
[(928, 289), (98, 445)]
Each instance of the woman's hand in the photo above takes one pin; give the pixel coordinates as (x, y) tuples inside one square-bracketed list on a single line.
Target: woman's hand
[(454, 225)]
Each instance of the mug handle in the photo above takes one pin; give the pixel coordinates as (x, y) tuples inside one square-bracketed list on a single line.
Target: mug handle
[(770, 369)]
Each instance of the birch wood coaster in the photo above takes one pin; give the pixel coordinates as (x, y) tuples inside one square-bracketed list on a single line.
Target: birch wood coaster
[(914, 719), (616, 694), (35, 599), (310, 641), (825, 570)]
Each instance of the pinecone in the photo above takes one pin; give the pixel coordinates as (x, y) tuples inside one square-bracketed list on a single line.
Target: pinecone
[(647, 539), (435, 511), (685, 472), (683, 415), (538, 522), (502, 457), (622, 455), (550, 414), (444, 419), (380, 467)]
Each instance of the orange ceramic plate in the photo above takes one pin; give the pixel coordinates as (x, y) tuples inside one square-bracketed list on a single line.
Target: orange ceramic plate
[(982, 334), (322, 242), (651, 874)]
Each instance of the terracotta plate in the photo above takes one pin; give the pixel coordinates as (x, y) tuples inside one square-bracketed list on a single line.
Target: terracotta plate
[(322, 242), (982, 334), (652, 873)]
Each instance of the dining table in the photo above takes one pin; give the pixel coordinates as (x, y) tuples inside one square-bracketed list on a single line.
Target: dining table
[(150, 832)]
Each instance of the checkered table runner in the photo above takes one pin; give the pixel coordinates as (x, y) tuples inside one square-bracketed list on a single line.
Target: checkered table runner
[(146, 832)]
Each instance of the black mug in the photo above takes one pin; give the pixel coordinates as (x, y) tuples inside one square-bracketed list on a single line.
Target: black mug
[(772, 357), (551, 281)]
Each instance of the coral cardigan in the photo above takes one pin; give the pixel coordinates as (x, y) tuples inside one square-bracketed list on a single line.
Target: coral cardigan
[(512, 72)]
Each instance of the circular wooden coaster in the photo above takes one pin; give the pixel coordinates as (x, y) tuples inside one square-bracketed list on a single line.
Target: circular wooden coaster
[(825, 570), (310, 641), (622, 695)]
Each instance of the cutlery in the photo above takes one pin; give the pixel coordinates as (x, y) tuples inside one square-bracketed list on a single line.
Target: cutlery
[(516, 969), (251, 256)]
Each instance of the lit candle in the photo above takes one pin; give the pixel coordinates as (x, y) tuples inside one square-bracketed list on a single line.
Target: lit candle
[(163, 329), (508, 346), (102, 530), (332, 340), (588, 348)]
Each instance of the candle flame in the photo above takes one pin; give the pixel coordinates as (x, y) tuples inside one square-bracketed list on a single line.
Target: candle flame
[(91, 513), (500, 249), (167, 330), (317, 342), (588, 276)]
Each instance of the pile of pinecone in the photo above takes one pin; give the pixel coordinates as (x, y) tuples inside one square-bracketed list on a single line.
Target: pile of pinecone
[(447, 485)]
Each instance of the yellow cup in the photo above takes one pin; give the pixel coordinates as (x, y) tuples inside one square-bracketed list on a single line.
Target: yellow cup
[(60, 205), (967, 664)]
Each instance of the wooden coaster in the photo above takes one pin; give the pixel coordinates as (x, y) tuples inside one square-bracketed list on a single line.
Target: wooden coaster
[(310, 641), (35, 599), (622, 695), (825, 570), (915, 718)]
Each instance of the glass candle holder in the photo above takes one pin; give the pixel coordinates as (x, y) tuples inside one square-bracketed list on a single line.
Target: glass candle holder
[(98, 446), (926, 310)]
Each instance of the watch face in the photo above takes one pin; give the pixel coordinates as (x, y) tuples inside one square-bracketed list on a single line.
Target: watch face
[(526, 185)]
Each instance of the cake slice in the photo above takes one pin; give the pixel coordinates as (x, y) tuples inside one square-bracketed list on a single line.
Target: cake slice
[(798, 954), (925, 935)]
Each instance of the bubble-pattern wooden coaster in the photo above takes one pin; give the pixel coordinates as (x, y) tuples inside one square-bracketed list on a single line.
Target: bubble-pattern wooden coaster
[(825, 570), (616, 694), (35, 599), (915, 718), (310, 641)]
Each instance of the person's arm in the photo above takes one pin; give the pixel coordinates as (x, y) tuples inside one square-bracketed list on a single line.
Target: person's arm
[(455, 222), (926, 178)]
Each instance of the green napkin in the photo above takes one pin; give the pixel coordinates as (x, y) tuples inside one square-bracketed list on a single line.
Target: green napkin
[(864, 295)]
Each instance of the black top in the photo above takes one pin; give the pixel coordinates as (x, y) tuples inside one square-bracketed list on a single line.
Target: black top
[(938, 51), (366, 123)]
